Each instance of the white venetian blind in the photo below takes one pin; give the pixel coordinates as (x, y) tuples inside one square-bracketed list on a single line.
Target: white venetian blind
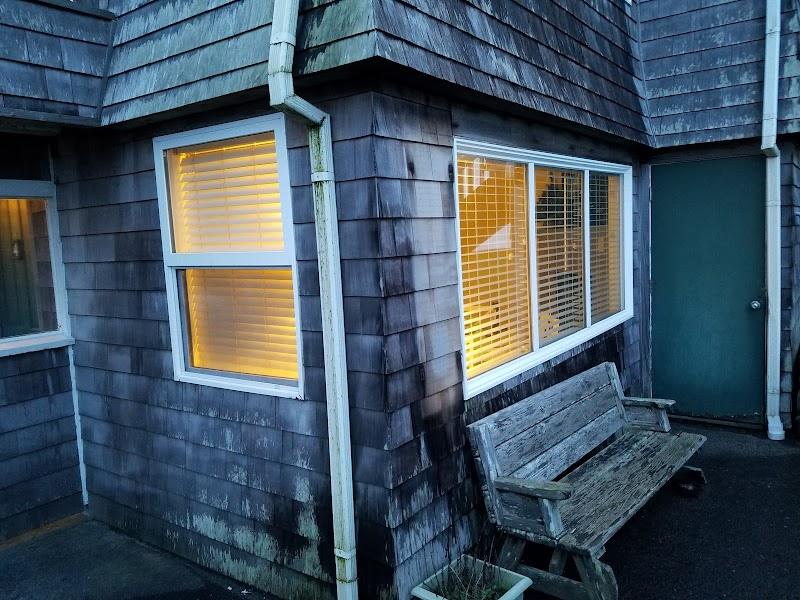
[(242, 321), (559, 252), (493, 217), (604, 220), (224, 196)]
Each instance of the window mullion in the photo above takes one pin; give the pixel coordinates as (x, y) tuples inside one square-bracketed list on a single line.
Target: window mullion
[(587, 251), (533, 278)]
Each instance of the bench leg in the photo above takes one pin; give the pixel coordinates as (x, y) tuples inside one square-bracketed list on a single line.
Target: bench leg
[(689, 480), (510, 552), (558, 561), (598, 578)]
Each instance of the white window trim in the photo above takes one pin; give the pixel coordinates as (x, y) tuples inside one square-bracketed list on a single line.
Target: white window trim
[(501, 374), (174, 261), (42, 190)]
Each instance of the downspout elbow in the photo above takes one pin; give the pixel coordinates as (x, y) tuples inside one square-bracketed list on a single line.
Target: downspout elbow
[(281, 81)]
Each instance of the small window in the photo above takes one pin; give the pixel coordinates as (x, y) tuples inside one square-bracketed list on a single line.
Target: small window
[(545, 254), (229, 257), (30, 307)]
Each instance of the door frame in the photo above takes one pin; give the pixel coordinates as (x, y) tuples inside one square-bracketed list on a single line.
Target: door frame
[(772, 269)]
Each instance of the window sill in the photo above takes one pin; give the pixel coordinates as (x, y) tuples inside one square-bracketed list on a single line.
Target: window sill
[(33, 343), (499, 375), (240, 385)]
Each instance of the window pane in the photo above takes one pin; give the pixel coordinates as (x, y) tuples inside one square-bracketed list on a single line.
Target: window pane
[(27, 300), (604, 201), (493, 214), (559, 252), (224, 196), (241, 321)]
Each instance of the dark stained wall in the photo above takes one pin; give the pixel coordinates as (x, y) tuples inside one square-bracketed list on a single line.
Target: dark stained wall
[(236, 482), (233, 481), (39, 473), (52, 61), (431, 496), (239, 482), (704, 69), (790, 283)]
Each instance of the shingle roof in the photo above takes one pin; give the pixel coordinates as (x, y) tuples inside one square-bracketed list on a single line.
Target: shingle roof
[(658, 72)]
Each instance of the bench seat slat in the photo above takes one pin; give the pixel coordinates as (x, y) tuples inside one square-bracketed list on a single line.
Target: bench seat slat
[(610, 487)]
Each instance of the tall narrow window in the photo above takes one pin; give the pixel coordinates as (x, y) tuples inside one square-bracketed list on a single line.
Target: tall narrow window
[(229, 257), (27, 299), (604, 220), (559, 252), (494, 261), (546, 255)]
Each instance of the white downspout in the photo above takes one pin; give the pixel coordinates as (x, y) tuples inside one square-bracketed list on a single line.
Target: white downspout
[(282, 97), (770, 148)]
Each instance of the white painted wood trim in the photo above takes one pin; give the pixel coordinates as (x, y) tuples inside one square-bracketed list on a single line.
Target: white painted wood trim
[(27, 188), (501, 374), (60, 337), (76, 415), (173, 261), (34, 342), (532, 261), (587, 256)]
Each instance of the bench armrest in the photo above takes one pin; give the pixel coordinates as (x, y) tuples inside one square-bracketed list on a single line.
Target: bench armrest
[(548, 490), (648, 413), (648, 402)]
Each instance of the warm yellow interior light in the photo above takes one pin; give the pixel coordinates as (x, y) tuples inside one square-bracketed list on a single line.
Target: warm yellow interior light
[(493, 216), (242, 321), (225, 196)]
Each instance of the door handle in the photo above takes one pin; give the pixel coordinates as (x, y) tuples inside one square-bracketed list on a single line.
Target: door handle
[(755, 304)]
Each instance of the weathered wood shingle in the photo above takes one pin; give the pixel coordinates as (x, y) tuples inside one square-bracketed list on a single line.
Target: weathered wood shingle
[(175, 53), (39, 479), (52, 61), (577, 61), (704, 69)]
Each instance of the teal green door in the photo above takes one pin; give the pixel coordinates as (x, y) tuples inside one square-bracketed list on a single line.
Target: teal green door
[(707, 268)]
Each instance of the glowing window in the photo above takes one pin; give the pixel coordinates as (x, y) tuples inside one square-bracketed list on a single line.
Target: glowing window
[(27, 294), (494, 261), (229, 257), (545, 253)]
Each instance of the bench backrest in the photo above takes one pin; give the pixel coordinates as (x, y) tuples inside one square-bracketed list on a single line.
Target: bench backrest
[(542, 436)]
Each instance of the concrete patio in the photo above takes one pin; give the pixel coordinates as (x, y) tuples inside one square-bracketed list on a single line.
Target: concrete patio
[(739, 539)]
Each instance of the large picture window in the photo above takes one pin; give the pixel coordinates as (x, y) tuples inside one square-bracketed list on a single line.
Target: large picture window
[(32, 296), (229, 257), (545, 255)]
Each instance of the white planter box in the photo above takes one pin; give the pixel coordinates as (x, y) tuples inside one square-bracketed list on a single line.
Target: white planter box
[(513, 585)]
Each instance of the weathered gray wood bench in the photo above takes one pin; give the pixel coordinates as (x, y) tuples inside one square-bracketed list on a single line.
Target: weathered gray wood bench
[(537, 489)]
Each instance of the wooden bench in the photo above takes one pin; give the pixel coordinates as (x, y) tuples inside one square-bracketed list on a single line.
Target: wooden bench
[(537, 489)]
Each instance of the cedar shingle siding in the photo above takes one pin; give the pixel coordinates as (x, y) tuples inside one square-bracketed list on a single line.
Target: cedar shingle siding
[(52, 61), (39, 479), (239, 482), (704, 69)]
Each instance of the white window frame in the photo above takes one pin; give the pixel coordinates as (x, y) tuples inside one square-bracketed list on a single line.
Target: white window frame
[(175, 261), (502, 373), (60, 337)]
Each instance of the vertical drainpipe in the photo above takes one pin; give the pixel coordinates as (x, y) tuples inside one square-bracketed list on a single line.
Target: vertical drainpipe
[(282, 97), (770, 148)]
